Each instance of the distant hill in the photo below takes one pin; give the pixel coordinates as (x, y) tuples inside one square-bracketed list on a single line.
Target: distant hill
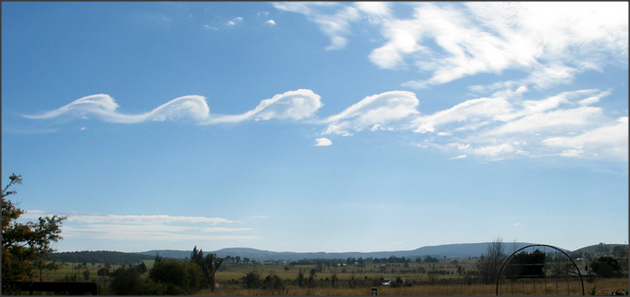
[(599, 249), (450, 251)]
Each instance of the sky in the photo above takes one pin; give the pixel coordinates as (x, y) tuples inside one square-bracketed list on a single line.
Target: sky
[(318, 127)]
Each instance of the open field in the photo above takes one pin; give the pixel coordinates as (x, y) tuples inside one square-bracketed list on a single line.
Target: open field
[(602, 287), (420, 279)]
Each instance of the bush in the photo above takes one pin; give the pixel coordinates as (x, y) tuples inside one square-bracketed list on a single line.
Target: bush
[(252, 280), (172, 274), (126, 281), (273, 282)]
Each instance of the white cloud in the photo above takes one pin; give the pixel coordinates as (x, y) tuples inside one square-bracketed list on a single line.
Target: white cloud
[(505, 125), (104, 107), (555, 120), (323, 142), (549, 42), (471, 111), (234, 21), (335, 25), (292, 105), (608, 140), (206, 26), (270, 22), (377, 112), (494, 150), (145, 227)]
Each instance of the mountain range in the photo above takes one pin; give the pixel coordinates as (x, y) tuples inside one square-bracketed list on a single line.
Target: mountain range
[(450, 251)]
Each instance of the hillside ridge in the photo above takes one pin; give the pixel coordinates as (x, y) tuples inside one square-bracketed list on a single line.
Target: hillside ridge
[(448, 251)]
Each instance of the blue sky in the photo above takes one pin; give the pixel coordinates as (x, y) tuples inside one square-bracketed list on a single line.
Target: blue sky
[(312, 127)]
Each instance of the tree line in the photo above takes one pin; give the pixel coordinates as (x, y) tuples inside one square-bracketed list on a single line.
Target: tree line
[(104, 257)]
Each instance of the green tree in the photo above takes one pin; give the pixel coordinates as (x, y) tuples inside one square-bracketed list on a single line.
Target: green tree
[(25, 246), (252, 280), (209, 264), (126, 281), (175, 275), (606, 267), (300, 278)]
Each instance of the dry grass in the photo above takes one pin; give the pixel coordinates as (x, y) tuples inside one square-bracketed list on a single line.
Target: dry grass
[(603, 287)]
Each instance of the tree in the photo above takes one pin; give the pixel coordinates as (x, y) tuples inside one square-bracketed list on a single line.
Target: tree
[(24, 245), (176, 276), (491, 261), (126, 281), (606, 267), (209, 264), (300, 278)]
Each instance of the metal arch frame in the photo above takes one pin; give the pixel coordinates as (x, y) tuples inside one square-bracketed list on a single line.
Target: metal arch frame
[(533, 245)]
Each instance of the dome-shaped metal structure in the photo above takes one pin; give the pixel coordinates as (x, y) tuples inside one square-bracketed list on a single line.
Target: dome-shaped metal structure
[(539, 267)]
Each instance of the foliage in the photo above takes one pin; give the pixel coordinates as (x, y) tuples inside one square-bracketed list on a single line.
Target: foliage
[(209, 264), (273, 282), (106, 257), (127, 281), (606, 267), (25, 246), (300, 278), (179, 278), (252, 280)]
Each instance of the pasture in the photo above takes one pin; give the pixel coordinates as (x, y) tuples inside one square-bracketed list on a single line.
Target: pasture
[(443, 278)]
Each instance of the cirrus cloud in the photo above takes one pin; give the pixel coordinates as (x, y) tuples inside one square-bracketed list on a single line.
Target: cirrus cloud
[(146, 227)]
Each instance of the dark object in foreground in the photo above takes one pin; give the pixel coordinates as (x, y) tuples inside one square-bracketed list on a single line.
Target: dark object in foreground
[(70, 288)]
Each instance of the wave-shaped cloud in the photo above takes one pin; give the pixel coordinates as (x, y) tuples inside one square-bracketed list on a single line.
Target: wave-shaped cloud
[(292, 105), (104, 107), (376, 112), (494, 127)]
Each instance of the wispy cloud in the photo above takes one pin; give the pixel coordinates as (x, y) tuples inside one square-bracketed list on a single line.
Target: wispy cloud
[(146, 227), (610, 139), (234, 21), (549, 42), (378, 112), (504, 125), (333, 19)]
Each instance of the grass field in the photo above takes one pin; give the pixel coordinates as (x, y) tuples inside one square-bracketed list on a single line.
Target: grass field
[(231, 275), (602, 287)]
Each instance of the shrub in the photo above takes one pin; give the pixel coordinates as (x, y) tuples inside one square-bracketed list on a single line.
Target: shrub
[(180, 278)]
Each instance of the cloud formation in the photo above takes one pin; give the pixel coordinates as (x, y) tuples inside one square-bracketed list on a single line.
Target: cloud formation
[(323, 142), (504, 125), (146, 227), (293, 105), (378, 112), (495, 127), (549, 42), (543, 45)]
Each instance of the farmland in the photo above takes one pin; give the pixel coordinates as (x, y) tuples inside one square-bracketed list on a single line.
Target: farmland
[(445, 277)]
